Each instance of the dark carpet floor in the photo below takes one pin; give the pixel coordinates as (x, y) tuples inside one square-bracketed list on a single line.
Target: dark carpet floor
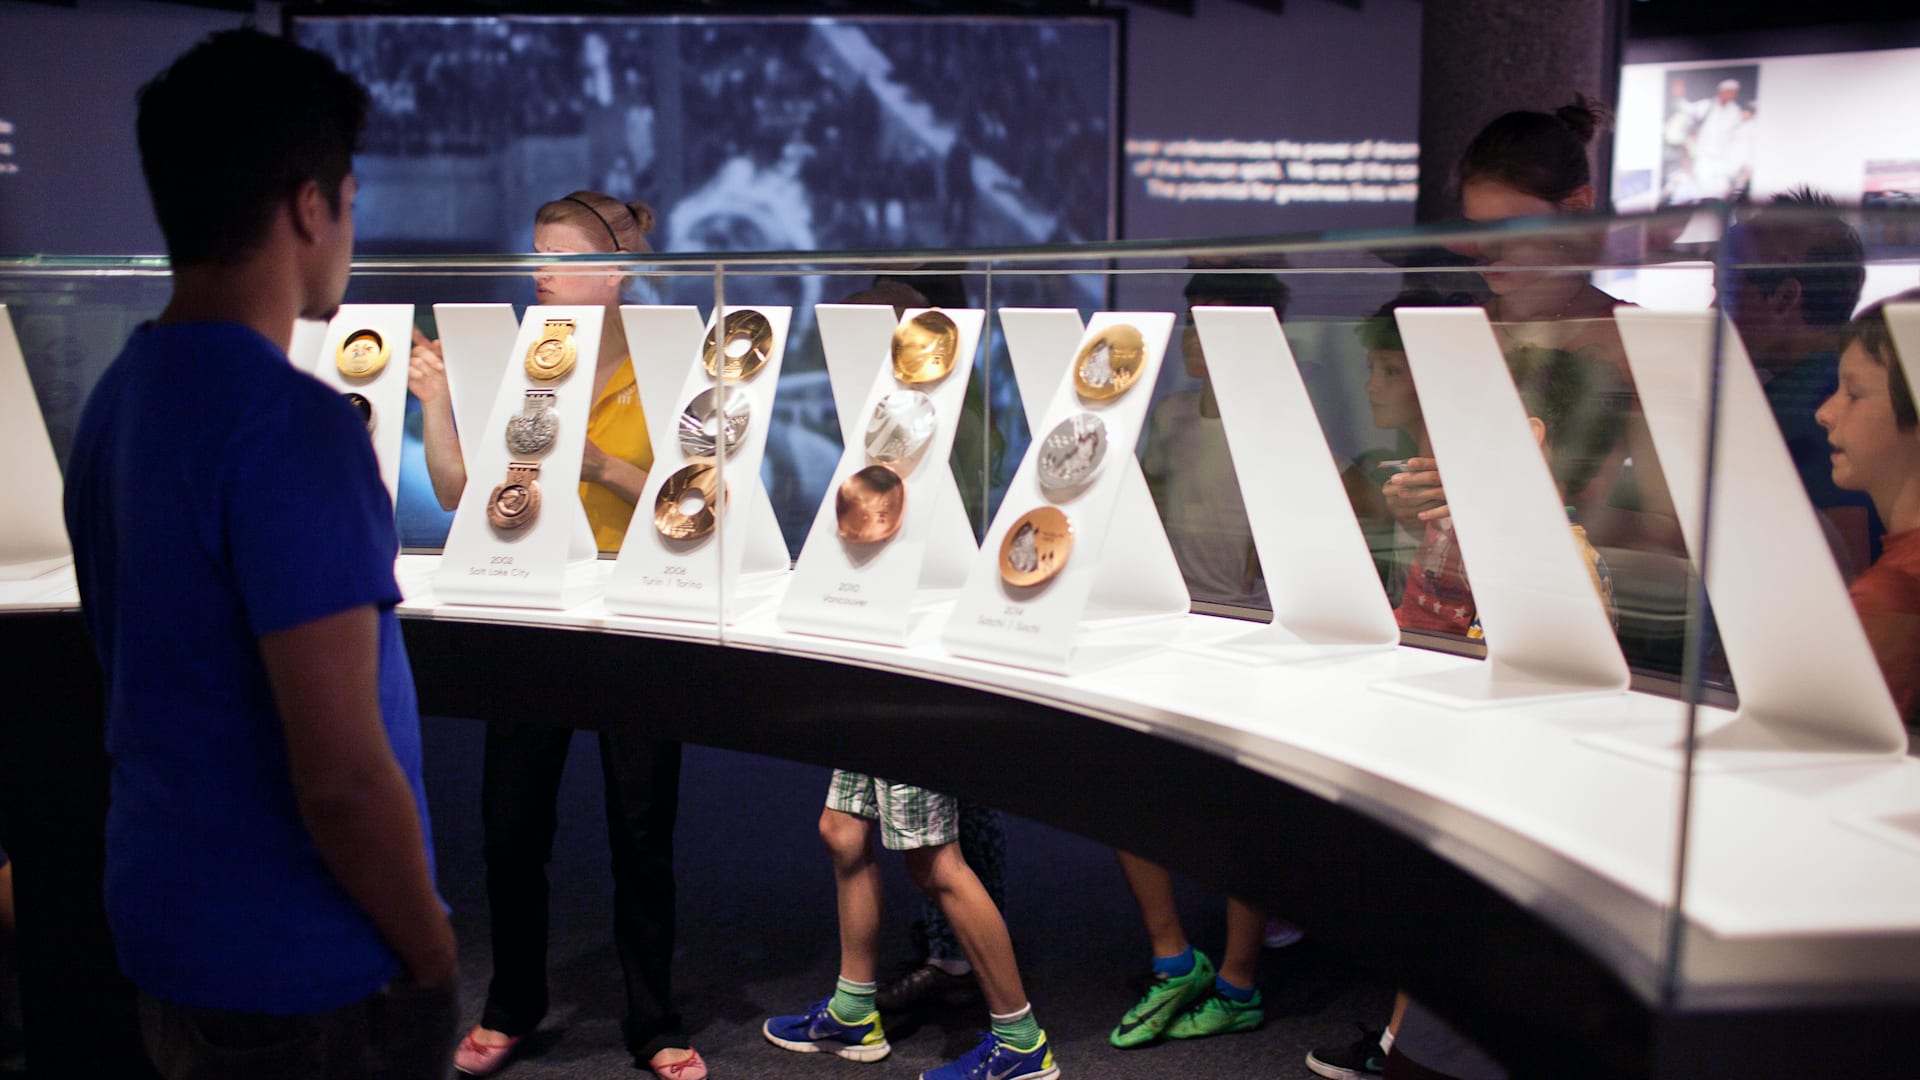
[(757, 935)]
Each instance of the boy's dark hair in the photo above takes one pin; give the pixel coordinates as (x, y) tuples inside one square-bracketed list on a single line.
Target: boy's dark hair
[(1239, 290), (1869, 330), (1540, 154), (1582, 402), (1381, 330), (234, 126), (1810, 242)]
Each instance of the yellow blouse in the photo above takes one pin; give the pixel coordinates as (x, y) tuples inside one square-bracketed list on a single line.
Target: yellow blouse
[(617, 426)]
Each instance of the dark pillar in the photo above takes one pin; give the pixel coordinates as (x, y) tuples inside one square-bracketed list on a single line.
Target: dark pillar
[(1480, 58)]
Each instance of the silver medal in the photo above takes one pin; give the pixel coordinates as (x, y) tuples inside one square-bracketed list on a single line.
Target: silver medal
[(900, 428), (1072, 452), (531, 430), (707, 416)]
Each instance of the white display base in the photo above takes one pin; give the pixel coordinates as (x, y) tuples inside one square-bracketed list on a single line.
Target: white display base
[(868, 592), (1818, 691), (1324, 588), (476, 345), (1903, 325), (1548, 633), (528, 567), (1121, 569), (713, 578), (303, 349), (386, 389), (33, 532)]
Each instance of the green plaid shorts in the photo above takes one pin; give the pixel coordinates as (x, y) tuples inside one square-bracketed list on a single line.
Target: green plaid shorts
[(910, 817)]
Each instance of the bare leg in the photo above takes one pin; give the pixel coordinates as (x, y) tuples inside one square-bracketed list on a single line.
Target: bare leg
[(856, 878), (1152, 889), (1245, 923), (945, 876)]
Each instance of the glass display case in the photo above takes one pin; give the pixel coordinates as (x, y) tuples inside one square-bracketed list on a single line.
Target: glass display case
[(1611, 669)]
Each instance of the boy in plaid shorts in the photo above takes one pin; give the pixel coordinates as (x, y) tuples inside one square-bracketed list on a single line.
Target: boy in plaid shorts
[(925, 826)]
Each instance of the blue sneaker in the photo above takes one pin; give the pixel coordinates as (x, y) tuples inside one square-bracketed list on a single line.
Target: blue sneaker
[(995, 1060), (818, 1030)]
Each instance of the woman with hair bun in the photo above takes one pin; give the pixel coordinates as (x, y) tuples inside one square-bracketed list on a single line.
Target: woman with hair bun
[(520, 783)]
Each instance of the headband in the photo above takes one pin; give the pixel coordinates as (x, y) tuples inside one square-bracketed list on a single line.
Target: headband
[(597, 216)]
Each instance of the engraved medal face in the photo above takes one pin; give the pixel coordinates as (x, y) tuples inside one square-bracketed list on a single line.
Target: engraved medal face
[(741, 345), (362, 355), (554, 354), (363, 407), (530, 431), (1036, 547), (870, 505), (1071, 455), (515, 503), (902, 425), (925, 347), (685, 507), (1109, 363), (708, 416)]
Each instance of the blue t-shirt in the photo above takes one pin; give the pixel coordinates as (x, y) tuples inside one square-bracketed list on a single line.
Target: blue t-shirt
[(216, 494)]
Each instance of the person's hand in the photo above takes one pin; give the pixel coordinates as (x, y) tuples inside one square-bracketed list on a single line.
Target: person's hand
[(593, 464), (1415, 497), (435, 962), (426, 370)]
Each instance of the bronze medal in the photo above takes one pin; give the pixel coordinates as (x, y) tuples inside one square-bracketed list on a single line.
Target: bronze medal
[(1109, 363), (925, 347), (515, 504), (685, 507), (870, 505), (362, 355), (740, 346), (1036, 547)]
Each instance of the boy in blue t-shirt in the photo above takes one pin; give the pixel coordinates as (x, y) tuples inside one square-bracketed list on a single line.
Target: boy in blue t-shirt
[(269, 875)]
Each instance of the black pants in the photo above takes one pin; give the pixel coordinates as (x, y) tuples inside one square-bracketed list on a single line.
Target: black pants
[(402, 1032), (518, 793)]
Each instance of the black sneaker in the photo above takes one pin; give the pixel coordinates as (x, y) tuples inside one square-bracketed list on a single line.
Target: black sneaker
[(1357, 1060), (923, 986)]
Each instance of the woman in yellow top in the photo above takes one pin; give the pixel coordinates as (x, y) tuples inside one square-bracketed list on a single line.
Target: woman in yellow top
[(521, 778)]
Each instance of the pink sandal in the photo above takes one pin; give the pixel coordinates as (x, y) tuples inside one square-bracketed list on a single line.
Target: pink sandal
[(690, 1068)]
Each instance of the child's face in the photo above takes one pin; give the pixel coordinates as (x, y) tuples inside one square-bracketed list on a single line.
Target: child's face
[(1390, 389), (1869, 450), (557, 285)]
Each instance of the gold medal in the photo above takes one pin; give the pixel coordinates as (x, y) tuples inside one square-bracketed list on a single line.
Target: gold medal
[(515, 503), (870, 505), (684, 509), (924, 348), (1036, 547), (362, 355), (1109, 363), (748, 341), (553, 355)]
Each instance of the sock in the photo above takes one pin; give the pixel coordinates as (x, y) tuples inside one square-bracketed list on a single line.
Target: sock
[(1238, 994), (852, 1001), (1386, 1041), (951, 967), (1018, 1029), (1172, 967)]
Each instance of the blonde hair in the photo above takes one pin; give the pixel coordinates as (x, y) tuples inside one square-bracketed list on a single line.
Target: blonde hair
[(625, 225)]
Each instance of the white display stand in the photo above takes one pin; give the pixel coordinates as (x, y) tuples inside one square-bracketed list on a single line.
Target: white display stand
[(1807, 677), (1121, 569), (476, 345), (386, 389), (1903, 324), (526, 567), (1548, 633), (303, 349), (699, 580), (1320, 576), (868, 592), (33, 532)]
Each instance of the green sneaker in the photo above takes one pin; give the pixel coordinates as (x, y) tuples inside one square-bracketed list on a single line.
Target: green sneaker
[(1164, 1001), (1217, 1015)]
